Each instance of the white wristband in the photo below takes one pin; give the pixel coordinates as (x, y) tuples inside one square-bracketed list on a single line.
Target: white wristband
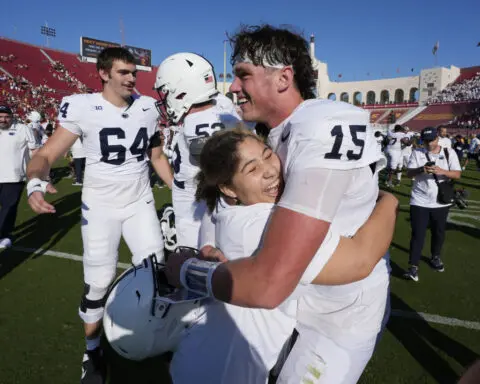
[(36, 185), (196, 275)]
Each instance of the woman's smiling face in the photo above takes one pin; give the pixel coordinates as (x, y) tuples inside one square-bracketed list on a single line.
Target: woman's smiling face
[(258, 178)]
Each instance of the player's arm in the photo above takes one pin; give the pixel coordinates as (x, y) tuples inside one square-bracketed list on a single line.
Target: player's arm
[(380, 226), (267, 279), (160, 161), (296, 231), (54, 148), (39, 167)]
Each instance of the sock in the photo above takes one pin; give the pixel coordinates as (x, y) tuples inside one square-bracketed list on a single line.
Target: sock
[(399, 176), (92, 343)]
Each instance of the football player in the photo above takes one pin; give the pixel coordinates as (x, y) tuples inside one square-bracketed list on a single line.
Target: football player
[(33, 119), (406, 145), (119, 131), (394, 153), (231, 344), (189, 99), (328, 154)]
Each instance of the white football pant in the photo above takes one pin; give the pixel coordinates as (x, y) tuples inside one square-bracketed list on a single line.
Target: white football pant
[(395, 159), (188, 216), (339, 357), (102, 228)]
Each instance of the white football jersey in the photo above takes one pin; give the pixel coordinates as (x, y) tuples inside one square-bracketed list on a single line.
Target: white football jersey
[(319, 139), (196, 126), (115, 141), (407, 149), (38, 131), (395, 141)]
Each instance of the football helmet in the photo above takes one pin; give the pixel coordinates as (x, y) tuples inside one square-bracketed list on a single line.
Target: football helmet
[(182, 80), (145, 316), (34, 117), (167, 225)]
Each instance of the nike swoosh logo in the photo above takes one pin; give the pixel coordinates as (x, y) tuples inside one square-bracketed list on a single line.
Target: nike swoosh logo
[(285, 137), (37, 185), (145, 109), (148, 202)]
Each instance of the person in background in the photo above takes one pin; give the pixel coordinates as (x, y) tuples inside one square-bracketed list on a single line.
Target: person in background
[(460, 149), (16, 141), (444, 141), (78, 155), (428, 165), (474, 149)]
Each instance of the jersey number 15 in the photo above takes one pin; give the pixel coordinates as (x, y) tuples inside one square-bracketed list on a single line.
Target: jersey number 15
[(337, 132)]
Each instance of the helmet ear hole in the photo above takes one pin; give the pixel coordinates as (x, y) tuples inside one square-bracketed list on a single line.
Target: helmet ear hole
[(167, 225)]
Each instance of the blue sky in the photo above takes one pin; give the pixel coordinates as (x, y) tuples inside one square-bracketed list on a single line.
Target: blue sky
[(355, 38)]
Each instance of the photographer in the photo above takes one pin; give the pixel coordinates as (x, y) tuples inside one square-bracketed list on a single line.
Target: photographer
[(433, 168)]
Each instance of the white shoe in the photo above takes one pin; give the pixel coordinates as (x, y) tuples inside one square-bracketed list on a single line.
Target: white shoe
[(5, 243)]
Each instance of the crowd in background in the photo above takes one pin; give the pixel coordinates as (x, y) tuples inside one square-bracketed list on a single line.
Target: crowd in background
[(466, 90)]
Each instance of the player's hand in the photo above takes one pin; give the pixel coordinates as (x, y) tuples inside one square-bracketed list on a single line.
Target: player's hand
[(37, 201), (174, 264), (210, 253)]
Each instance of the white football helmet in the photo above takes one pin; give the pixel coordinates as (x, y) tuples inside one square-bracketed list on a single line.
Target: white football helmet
[(167, 225), (183, 79), (34, 117), (144, 316)]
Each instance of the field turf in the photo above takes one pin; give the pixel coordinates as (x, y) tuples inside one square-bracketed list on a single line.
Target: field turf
[(41, 339)]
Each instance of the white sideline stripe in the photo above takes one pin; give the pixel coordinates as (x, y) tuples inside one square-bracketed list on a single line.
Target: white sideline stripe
[(436, 319), (61, 255), (395, 312)]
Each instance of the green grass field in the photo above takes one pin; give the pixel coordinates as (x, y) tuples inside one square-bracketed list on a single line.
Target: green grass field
[(41, 337)]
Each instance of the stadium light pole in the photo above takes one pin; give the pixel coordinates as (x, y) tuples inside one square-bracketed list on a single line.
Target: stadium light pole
[(225, 66), (48, 32)]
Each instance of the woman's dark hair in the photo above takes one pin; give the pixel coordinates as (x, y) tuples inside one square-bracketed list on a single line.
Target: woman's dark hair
[(106, 58), (218, 163), (277, 45)]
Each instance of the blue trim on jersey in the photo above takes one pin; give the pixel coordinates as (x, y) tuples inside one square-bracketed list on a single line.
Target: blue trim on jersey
[(179, 184)]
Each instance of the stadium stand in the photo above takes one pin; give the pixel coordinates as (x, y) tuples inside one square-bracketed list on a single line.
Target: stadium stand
[(33, 77), (465, 88)]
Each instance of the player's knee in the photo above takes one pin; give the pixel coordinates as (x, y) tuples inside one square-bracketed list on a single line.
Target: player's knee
[(92, 302), (138, 257)]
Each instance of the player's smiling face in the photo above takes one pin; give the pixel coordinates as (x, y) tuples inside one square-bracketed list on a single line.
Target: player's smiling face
[(121, 79), (255, 90), (258, 178)]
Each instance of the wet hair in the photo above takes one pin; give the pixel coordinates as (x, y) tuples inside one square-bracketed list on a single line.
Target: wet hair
[(218, 163), (106, 58), (277, 45)]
